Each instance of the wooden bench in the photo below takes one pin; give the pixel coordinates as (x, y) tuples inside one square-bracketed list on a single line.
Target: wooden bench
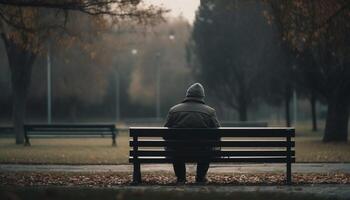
[(69, 130), (233, 145)]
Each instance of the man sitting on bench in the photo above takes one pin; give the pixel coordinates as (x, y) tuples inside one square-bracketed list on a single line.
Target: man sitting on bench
[(192, 113)]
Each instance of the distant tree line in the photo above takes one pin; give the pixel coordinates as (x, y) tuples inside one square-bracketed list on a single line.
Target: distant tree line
[(86, 76)]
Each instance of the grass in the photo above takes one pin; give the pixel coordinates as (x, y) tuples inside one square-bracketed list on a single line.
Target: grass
[(66, 151), (309, 148), (312, 149)]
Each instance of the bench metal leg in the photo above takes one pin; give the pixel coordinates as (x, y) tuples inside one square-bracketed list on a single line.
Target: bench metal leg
[(289, 161), (114, 143), (114, 135), (26, 141), (289, 173), (27, 144), (137, 174)]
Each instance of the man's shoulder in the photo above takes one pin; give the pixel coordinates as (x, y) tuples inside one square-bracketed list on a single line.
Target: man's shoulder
[(183, 107), (176, 107), (210, 110)]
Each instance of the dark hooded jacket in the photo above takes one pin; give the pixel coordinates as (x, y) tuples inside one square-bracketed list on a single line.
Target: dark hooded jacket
[(192, 112)]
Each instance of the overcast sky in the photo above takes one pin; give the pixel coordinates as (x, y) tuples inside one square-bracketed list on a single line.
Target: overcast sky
[(186, 8)]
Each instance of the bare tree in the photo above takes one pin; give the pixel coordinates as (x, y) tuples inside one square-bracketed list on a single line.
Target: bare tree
[(26, 25)]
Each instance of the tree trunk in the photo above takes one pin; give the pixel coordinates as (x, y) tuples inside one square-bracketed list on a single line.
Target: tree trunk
[(287, 97), (337, 120), (313, 112), (20, 62), (18, 116)]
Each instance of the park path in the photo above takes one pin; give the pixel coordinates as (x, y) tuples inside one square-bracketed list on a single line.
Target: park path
[(214, 168)]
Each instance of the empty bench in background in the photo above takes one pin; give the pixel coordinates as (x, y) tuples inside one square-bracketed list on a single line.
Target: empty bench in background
[(236, 145), (69, 130)]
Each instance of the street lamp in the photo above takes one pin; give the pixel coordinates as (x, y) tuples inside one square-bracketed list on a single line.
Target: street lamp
[(171, 37), (49, 107), (134, 51), (117, 97), (158, 86), (158, 54), (295, 100)]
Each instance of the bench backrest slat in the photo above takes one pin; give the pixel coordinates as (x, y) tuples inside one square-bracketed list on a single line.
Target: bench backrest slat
[(222, 132), (69, 125), (63, 129), (210, 143)]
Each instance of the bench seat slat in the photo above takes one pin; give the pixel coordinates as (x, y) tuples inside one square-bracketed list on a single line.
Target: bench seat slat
[(210, 143), (218, 160), (212, 153)]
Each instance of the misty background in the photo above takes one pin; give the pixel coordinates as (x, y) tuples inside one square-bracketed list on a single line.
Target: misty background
[(121, 73)]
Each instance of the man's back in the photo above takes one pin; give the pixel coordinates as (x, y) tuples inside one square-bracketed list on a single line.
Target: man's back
[(192, 112)]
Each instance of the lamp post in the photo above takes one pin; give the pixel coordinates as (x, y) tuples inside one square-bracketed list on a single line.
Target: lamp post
[(117, 97), (49, 107), (295, 101), (158, 77), (133, 52), (295, 107), (158, 86)]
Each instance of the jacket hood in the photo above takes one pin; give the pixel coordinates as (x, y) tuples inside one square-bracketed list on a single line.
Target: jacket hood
[(195, 92)]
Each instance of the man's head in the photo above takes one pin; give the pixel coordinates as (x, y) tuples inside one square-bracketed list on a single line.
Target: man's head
[(195, 91)]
